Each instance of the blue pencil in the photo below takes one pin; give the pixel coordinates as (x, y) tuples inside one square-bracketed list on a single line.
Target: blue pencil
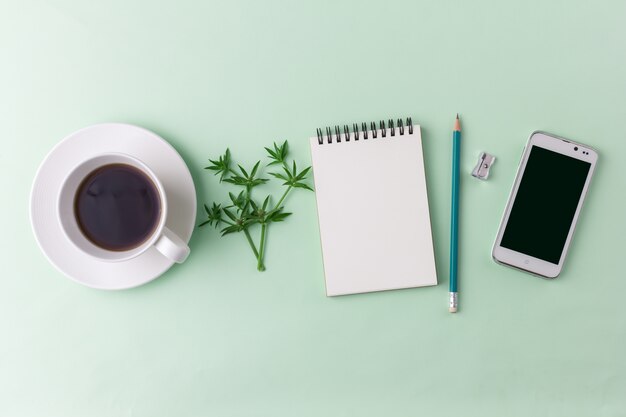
[(454, 216)]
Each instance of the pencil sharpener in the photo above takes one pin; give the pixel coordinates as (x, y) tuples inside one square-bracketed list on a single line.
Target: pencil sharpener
[(485, 161)]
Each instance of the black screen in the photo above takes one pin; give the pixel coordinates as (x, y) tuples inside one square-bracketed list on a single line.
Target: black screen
[(545, 204)]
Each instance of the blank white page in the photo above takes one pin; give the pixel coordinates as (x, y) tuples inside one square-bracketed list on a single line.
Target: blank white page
[(373, 213)]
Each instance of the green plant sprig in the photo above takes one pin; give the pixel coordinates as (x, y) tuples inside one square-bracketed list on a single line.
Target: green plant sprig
[(243, 212)]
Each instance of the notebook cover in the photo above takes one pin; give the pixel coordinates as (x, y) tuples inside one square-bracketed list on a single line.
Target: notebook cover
[(373, 213)]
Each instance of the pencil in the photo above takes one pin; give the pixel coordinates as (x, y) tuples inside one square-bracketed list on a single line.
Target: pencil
[(454, 216)]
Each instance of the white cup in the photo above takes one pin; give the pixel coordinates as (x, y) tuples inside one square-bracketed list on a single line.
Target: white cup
[(162, 238)]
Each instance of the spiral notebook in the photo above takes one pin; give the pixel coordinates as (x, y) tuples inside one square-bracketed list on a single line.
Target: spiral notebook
[(372, 207)]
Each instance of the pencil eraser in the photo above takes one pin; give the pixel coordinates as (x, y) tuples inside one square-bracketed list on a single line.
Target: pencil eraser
[(452, 309)]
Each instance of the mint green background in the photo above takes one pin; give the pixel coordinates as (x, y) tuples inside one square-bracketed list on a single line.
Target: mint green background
[(213, 336)]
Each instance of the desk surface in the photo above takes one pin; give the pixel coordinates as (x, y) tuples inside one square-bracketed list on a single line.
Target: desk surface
[(215, 337)]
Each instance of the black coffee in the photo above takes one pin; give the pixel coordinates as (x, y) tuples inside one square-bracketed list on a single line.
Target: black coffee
[(117, 207)]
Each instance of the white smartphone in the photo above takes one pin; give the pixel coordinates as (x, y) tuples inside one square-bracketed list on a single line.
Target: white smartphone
[(540, 217)]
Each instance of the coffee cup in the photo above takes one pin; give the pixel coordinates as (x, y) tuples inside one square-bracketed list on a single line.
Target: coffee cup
[(114, 208)]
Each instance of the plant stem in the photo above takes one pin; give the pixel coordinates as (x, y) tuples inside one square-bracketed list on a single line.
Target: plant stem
[(256, 254), (260, 265), (283, 197)]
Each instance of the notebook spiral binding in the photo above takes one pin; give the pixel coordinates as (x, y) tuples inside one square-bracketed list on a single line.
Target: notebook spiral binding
[(364, 133)]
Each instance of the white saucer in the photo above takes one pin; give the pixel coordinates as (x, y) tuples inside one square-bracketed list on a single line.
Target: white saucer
[(155, 152)]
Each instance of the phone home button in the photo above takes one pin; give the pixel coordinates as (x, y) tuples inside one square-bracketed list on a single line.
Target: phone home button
[(526, 261)]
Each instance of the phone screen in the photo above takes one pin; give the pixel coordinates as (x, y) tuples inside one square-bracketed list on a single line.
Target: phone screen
[(545, 204)]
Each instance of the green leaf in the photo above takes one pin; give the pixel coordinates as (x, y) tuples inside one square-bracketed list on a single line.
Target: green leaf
[(279, 154), (283, 151), (277, 216), (230, 215), (302, 185), (254, 169), (250, 221), (289, 176), (230, 229), (247, 180), (303, 173), (214, 215), (239, 201), (272, 154), (220, 166), (237, 180), (258, 181), (279, 176)]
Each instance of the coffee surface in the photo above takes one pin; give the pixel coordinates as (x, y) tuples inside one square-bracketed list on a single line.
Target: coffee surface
[(117, 207)]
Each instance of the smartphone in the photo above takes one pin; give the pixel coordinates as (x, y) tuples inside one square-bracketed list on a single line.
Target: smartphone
[(548, 193)]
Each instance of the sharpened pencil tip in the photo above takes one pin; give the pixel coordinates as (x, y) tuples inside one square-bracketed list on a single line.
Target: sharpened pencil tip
[(457, 123)]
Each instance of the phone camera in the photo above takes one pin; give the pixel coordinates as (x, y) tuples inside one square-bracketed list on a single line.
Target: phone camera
[(575, 148)]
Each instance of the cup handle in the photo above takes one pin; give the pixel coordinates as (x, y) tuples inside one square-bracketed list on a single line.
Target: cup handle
[(171, 246)]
